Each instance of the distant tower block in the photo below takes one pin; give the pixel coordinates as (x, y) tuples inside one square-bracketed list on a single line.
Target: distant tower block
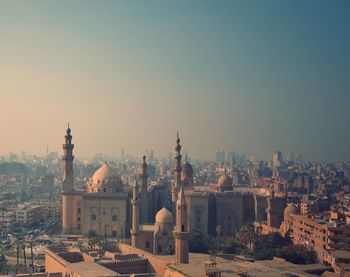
[(181, 233), (135, 216)]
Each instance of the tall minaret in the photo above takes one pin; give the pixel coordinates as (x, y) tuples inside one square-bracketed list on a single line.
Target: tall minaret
[(143, 173), (68, 224), (181, 233), (68, 158), (177, 169), (135, 202)]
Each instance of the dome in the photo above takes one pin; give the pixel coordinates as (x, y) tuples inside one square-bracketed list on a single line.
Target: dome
[(187, 170), (103, 173), (225, 181), (164, 216), (290, 209), (105, 180)]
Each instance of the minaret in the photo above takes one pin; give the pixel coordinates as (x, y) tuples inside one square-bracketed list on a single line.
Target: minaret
[(177, 182), (135, 215), (143, 173), (181, 233), (68, 188), (68, 158)]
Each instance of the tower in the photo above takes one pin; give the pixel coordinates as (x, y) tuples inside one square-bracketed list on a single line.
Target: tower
[(68, 186), (177, 169), (275, 208), (135, 202), (68, 178), (143, 173), (145, 214), (181, 233)]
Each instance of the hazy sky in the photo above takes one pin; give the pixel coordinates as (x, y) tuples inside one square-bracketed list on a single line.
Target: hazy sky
[(252, 76)]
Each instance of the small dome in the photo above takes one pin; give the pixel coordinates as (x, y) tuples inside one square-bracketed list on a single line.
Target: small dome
[(103, 173), (225, 181), (187, 170), (290, 209), (164, 216)]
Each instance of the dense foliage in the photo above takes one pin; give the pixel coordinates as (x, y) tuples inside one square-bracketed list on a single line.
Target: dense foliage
[(247, 242)]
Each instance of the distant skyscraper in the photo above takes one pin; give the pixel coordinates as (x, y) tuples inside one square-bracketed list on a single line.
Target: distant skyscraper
[(220, 156), (299, 158), (122, 154), (231, 158), (277, 159)]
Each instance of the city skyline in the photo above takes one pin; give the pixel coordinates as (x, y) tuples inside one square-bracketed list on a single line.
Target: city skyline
[(254, 78)]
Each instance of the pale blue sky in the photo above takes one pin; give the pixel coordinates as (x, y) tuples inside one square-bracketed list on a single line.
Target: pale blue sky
[(252, 76)]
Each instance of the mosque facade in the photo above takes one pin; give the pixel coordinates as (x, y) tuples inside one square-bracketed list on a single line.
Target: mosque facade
[(158, 217)]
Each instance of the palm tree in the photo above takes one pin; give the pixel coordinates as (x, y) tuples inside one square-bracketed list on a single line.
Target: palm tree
[(218, 230), (3, 211), (32, 255), (25, 257), (17, 254)]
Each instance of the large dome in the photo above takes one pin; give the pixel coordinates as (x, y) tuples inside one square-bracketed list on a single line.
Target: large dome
[(103, 173), (105, 180), (164, 216)]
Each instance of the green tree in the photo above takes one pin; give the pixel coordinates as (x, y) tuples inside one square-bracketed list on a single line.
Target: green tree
[(3, 264), (92, 239), (199, 242), (297, 254), (267, 246), (246, 236), (218, 230), (230, 246)]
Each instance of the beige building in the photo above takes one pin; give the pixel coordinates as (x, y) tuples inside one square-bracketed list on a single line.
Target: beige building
[(28, 214), (7, 220), (126, 260), (106, 207), (102, 210)]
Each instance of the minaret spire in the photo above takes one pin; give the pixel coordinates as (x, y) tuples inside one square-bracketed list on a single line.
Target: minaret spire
[(135, 215), (177, 170), (143, 173), (68, 178), (181, 233)]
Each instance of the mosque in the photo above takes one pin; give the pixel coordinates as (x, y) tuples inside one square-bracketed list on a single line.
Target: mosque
[(159, 217)]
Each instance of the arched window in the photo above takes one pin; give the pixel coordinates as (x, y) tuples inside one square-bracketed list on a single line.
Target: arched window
[(93, 216), (115, 214), (198, 216)]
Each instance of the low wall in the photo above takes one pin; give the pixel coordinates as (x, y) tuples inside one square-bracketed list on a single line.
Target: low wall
[(156, 264)]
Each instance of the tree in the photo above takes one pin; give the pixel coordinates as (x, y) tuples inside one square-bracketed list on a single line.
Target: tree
[(246, 236), (230, 246), (218, 230), (266, 246), (199, 242), (92, 239), (297, 254), (3, 263)]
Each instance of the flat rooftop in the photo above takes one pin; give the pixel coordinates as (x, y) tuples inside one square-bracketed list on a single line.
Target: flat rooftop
[(229, 268), (91, 269)]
